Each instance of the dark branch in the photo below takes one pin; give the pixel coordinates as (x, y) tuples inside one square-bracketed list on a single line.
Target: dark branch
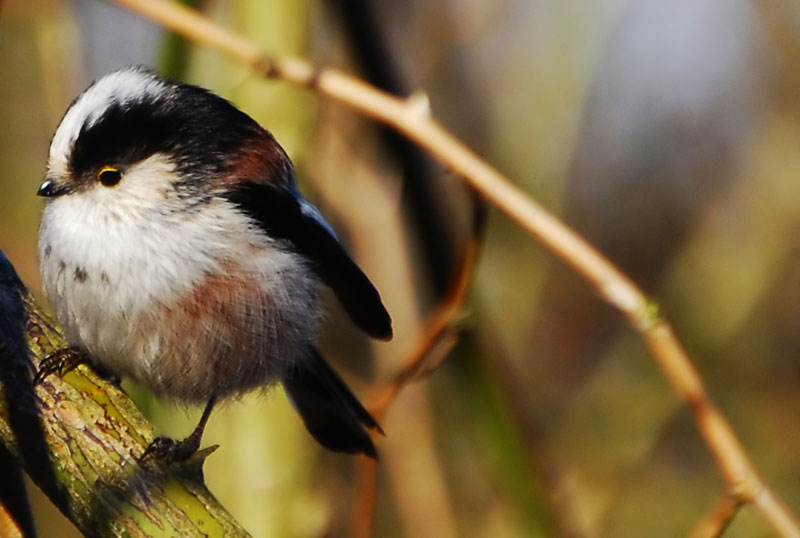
[(79, 439)]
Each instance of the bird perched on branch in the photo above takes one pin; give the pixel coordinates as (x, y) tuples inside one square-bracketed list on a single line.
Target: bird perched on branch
[(176, 248)]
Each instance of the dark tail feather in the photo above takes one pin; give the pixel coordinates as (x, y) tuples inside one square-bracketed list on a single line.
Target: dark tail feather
[(329, 410)]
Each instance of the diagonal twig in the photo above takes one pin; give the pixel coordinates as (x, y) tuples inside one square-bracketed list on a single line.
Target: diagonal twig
[(716, 520), (437, 339), (439, 332)]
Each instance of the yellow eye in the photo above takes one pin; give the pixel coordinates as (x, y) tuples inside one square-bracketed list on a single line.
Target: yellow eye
[(109, 176)]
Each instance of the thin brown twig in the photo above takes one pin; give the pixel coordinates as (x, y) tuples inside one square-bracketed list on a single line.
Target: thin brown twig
[(433, 339), (715, 521), (9, 527), (412, 118), (439, 325), (16, 513), (366, 485)]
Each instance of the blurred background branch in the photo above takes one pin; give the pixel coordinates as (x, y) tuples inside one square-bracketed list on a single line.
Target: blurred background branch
[(439, 335), (441, 328), (433, 222), (16, 513), (412, 118), (715, 522)]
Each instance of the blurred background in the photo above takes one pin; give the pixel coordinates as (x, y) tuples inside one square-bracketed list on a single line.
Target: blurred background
[(668, 133)]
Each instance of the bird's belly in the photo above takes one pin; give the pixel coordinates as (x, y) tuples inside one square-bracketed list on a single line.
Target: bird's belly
[(233, 332), (228, 336), (183, 319)]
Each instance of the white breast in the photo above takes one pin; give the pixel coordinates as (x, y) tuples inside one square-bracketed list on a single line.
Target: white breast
[(111, 259)]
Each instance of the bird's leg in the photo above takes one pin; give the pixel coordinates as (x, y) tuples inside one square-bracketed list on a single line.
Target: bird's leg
[(173, 451), (60, 361)]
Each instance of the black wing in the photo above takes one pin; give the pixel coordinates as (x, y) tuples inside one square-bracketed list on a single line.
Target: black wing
[(284, 214)]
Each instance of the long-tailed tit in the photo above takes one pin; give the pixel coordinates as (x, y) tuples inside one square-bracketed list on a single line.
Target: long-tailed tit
[(176, 248)]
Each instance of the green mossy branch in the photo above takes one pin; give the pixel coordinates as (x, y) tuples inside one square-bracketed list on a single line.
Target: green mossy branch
[(79, 438)]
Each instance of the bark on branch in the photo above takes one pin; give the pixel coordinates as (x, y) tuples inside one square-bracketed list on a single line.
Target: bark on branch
[(79, 438)]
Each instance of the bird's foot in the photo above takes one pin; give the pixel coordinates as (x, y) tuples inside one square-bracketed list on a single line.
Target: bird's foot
[(172, 451), (60, 361), (169, 450)]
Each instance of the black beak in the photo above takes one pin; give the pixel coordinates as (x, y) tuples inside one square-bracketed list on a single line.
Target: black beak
[(50, 188)]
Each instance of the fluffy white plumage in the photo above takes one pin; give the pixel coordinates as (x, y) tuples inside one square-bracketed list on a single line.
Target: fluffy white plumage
[(118, 263)]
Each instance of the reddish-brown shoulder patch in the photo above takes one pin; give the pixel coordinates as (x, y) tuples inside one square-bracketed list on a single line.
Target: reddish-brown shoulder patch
[(260, 160)]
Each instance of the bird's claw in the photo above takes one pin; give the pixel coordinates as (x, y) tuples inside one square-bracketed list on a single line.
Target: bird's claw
[(60, 361), (169, 450)]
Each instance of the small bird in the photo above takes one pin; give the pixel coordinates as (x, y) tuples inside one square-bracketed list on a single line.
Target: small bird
[(176, 249)]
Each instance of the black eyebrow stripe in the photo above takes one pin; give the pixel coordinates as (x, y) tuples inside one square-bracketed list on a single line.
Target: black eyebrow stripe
[(201, 130), (125, 133)]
